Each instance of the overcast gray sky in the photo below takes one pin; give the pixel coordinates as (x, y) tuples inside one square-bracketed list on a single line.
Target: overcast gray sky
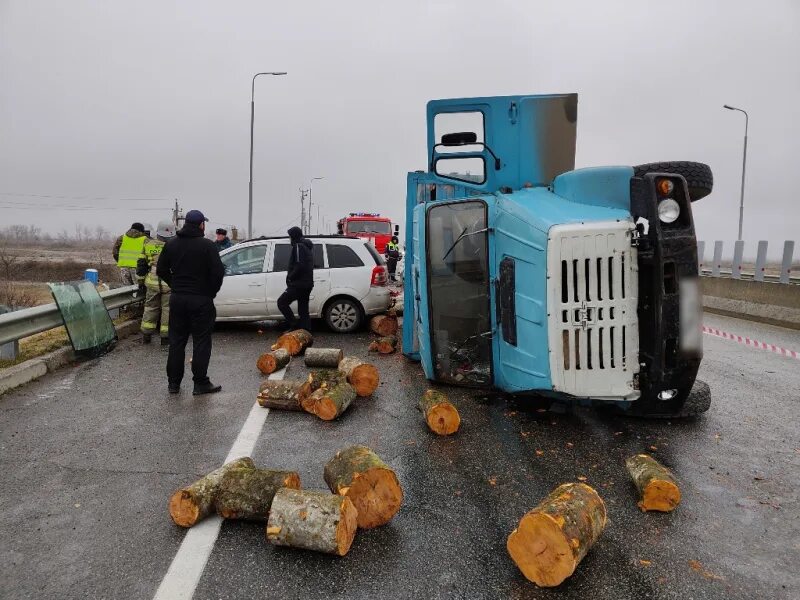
[(150, 99)]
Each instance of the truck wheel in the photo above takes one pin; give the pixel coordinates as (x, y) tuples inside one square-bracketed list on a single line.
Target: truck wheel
[(343, 315), (697, 402), (698, 176)]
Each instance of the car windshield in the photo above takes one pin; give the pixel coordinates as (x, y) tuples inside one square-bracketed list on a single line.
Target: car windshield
[(382, 227)]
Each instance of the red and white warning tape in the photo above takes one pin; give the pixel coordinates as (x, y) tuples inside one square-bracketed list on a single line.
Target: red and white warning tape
[(754, 343)]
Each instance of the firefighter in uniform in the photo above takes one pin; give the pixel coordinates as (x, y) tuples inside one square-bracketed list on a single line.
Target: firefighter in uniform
[(156, 303), (392, 256), (127, 250)]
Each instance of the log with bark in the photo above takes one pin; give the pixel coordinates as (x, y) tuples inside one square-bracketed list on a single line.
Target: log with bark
[(553, 538), (384, 345), (269, 362), (191, 504), (358, 473), (330, 402), (312, 520), (282, 394), (362, 376), (294, 342), (326, 358), (384, 325), (440, 415), (657, 486), (323, 379), (246, 492)]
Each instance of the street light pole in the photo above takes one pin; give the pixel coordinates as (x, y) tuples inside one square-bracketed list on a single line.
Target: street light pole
[(252, 120), (744, 164), (310, 190)]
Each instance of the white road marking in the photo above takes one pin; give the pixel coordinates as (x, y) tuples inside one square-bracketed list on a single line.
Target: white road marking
[(189, 563)]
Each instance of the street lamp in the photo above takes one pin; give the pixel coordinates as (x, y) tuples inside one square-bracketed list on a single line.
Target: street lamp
[(252, 119), (744, 164), (310, 190)]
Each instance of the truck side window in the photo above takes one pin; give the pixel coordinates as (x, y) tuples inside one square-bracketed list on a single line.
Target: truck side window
[(505, 291), (340, 257), (280, 262)]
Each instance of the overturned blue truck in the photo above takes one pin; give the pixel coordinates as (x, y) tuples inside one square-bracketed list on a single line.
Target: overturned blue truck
[(528, 276)]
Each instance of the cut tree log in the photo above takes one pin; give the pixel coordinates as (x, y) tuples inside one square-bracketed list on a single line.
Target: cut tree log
[(294, 342), (328, 403), (269, 362), (362, 376), (657, 486), (442, 417), (384, 325), (553, 538), (191, 504), (282, 394), (246, 492), (312, 520), (327, 358), (384, 345), (323, 378), (358, 473)]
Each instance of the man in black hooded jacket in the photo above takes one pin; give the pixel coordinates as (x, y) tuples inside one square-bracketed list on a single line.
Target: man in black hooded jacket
[(191, 267), (299, 281)]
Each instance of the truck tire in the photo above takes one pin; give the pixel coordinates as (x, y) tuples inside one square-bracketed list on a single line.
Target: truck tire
[(697, 402), (698, 176)]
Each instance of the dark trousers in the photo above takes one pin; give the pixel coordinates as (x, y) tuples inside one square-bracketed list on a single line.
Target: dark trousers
[(195, 316), (391, 265), (286, 298)]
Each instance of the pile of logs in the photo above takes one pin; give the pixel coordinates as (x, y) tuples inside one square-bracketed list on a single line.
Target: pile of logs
[(365, 494), (385, 327)]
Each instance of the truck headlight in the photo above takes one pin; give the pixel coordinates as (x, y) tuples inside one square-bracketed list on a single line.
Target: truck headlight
[(668, 210)]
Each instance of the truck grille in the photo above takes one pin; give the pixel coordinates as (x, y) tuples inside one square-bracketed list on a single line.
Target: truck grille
[(592, 301)]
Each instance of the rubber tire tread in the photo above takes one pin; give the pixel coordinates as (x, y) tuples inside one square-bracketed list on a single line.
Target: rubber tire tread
[(698, 176)]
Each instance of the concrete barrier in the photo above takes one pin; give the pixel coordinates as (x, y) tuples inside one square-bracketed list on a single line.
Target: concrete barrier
[(766, 302)]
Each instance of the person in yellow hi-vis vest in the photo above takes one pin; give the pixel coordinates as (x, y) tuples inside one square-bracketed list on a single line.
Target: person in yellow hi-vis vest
[(156, 302), (127, 250)]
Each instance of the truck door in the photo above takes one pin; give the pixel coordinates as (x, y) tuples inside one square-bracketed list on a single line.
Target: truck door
[(459, 320)]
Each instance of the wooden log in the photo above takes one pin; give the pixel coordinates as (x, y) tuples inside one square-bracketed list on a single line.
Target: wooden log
[(384, 345), (358, 473), (294, 342), (191, 504), (246, 492), (324, 378), (312, 520), (362, 376), (269, 362), (440, 415), (328, 403), (657, 486), (282, 394), (553, 538), (384, 325), (326, 358)]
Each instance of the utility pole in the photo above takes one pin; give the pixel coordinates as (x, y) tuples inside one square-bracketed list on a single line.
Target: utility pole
[(303, 210), (744, 164), (310, 188)]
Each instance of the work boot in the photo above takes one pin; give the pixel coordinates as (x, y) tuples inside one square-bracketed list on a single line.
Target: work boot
[(146, 337), (205, 388), (174, 388)]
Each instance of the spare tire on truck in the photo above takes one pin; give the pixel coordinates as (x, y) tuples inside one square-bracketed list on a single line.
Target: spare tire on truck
[(697, 175)]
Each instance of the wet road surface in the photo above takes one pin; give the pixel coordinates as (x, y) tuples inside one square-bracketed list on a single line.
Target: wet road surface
[(91, 454)]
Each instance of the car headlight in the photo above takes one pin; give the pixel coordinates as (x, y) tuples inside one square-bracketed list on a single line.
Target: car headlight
[(668, 210)]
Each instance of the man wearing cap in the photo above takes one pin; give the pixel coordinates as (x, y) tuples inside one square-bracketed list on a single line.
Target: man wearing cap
[(222, 242), (127, 250), (191, 267)]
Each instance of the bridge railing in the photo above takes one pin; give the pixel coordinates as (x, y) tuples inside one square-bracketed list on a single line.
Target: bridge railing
[(738, 269)]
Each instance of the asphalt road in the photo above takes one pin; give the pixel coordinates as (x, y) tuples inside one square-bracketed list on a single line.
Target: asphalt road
[(90, 455)]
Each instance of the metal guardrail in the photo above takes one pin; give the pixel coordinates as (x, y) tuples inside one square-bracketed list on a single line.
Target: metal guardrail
[(29, 321), (760, 271), (747, 276)]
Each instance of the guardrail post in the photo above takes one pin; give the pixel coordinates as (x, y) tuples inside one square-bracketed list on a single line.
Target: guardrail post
[(10, 350), (738, 252), (761, 261), (717, 259), (701, 255), (786, 263)]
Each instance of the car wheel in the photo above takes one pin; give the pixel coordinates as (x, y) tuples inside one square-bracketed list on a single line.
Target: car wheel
[(343, 315)]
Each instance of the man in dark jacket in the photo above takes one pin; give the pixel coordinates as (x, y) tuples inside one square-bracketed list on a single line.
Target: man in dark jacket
[(299, 281), (222, 242), (191, 267)]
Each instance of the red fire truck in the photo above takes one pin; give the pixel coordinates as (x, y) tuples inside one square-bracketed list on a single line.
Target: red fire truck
[(368, 226)]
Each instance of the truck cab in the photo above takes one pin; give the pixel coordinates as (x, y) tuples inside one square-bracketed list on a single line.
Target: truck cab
[(371, 227), (526, 275)]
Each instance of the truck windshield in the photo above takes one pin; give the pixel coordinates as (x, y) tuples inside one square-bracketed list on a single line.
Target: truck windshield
[(382, 227), (458, 278)]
